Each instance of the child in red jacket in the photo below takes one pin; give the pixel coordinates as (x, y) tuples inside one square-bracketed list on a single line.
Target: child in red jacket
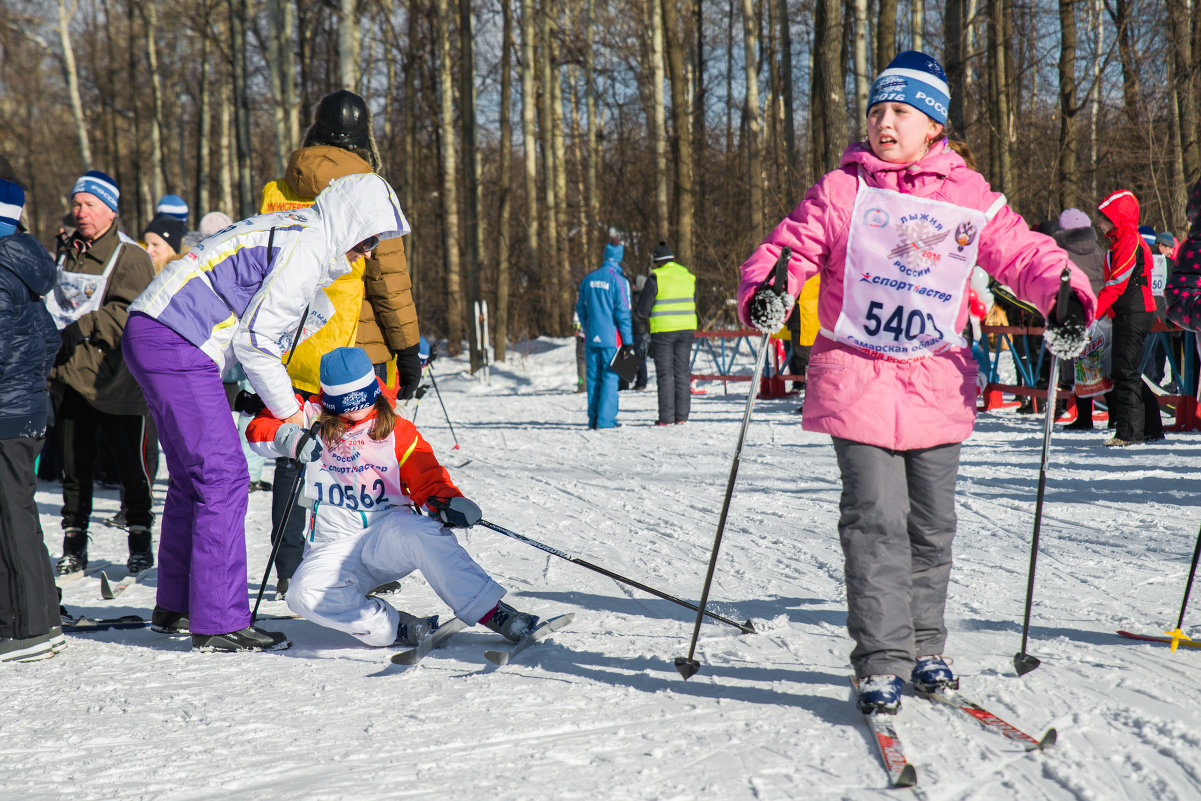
[(369, 472), (1127, 298)]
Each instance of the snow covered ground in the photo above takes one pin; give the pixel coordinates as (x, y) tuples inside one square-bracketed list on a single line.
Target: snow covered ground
[(599, 711)]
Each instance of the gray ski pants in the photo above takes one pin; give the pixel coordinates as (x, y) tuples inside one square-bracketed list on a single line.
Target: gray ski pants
[(896, 526)]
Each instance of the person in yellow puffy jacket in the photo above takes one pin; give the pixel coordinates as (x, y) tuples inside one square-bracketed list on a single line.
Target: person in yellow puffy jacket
[(371, 306)]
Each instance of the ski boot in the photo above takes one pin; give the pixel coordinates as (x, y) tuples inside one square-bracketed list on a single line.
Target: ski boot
[(250, 638), (880, 694), (412, 629), (508, 622), (75, 552), (141, 551), (164, 621), (931, 674)]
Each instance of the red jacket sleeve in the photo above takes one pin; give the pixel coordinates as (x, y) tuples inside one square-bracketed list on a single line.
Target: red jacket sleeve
[(421, 474), (260, 433)]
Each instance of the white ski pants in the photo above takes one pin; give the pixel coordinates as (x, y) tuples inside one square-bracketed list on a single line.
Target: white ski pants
[(330, 587)]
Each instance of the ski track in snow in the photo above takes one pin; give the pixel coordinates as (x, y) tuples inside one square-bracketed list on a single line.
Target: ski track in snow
[(599, 710)]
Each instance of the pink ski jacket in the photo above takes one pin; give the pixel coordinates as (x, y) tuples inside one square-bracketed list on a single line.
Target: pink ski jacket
[(900, 405)]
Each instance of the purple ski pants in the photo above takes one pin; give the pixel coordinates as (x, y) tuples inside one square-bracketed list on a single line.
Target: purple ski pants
[(202, 545)]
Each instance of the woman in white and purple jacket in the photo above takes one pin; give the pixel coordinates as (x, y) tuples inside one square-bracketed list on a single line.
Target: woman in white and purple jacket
[(894, 232)]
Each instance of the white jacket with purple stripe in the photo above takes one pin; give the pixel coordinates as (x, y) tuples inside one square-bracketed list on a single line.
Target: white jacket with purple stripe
[(228, 291)]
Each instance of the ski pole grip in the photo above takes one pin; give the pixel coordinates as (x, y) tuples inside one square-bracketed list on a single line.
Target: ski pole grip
[(1065, 292), (312, 431), (780, 272)]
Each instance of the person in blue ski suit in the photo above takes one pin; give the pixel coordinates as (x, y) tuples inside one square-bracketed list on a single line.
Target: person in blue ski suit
[(603, 307)]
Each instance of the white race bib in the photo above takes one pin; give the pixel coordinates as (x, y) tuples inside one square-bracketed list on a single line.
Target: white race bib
[(907, 266)]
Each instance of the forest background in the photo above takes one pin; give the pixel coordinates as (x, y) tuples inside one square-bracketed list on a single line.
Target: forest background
[(521, 134)]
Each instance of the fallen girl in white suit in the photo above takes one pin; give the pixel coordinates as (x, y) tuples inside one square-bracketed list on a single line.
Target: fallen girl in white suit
[(367, 473)]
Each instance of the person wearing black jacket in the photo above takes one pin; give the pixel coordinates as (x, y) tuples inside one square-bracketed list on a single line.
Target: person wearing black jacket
[(30, 627), (1077, 236)]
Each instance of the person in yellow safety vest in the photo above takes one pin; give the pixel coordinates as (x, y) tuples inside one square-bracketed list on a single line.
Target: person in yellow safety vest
[(669, 301), (371, 306)]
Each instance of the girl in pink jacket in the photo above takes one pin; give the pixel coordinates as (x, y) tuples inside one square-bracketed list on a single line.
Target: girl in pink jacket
[(894, 232)]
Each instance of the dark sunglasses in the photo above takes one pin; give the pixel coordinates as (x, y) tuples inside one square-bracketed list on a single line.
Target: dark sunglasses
[(367, 245)]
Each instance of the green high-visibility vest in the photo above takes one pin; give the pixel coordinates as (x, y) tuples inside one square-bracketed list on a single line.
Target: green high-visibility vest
[(675, 302)]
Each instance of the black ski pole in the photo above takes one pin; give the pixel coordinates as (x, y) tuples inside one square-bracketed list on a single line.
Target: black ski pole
[(277, 536), (687, 665), (1177, 635), (438, 392), (1023, 662), (745, 628)]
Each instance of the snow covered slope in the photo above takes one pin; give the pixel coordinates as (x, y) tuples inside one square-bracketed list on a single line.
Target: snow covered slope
[(599, 711)]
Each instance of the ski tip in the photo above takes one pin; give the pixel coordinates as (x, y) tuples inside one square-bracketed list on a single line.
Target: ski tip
[(405, 657), (1024, 663), (687, 667), (1047, 741), (106, 587), (907, 777), (498, 658)]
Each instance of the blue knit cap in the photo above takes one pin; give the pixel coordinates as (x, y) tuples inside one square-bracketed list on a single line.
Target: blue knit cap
[(1148, 234), (12, 200), (916, 79), (348, 381), (173, 206), (102, 186)]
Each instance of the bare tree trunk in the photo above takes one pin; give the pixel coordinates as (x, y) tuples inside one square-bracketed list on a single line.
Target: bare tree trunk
[(862, 79), (226, 148), (560, 323), (348, 46), (283, 106), (546, 120), (659, 120), (828, 99), (1123, 10), (72, 77), (1174, 213), (504, 191), (529, 142), (413, 243), (149, 12), (450, 196), (1067, 177), (472, 246), (917, 21), (1095, 110), (1183, 84), (680, 138), (786, 79), (591, 199), (955, 62), (998, 94), (203, 123), (886, 34), (238, 14), (750, 48)]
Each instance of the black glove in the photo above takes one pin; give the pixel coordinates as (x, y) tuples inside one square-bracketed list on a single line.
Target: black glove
[(419, 393), (625, 351), (408, 371), (768, 311), (455, 512), (1066, 338)]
